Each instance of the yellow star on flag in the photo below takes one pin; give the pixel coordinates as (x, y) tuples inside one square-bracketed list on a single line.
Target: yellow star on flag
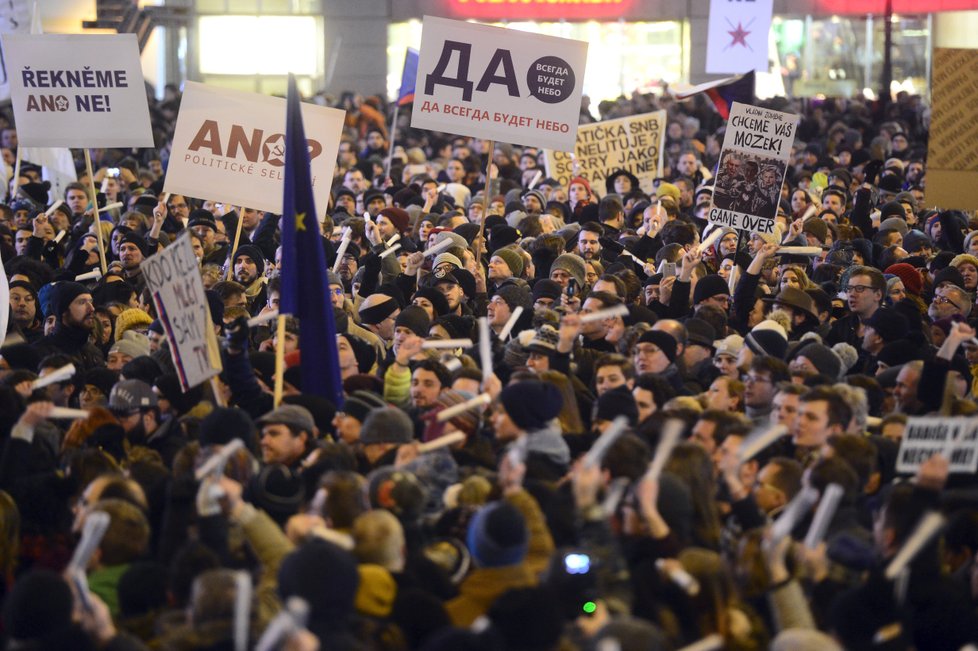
[(300, 221)]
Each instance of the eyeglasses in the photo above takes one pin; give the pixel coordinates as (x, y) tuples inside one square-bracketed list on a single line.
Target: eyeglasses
[(944, 300), (336, 292), (857, 289), (756, 379)]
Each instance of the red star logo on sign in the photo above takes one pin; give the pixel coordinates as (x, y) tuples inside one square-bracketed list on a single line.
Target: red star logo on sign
[(739, 35)]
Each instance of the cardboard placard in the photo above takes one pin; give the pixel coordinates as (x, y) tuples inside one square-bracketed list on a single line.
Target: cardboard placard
[(952, 149), (77, 90), (229, 146), (955, 438), (500, 84), (634, 144)]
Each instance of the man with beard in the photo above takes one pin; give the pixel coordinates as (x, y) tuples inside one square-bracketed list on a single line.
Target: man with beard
[(71, 305), (249, 268), (136, 407), (588, 241), (132, 251)]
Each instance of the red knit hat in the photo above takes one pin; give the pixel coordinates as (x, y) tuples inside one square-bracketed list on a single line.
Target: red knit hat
[(582, 181), (909, 275)]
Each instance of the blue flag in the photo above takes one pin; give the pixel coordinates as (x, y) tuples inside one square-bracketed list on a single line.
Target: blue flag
[(409, 77), (305, 288)]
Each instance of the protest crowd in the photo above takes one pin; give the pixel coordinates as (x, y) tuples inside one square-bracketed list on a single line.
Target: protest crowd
[(495, 491)]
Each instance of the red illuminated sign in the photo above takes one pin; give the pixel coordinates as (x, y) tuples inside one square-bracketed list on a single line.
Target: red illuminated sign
[(877, 7), (540, 9)]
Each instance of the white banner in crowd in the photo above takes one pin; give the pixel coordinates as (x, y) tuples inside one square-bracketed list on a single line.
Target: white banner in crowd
[(756, 148), (633, 144), (229, 146), (497, 83), (737, 40), (77, 90), (954, 438), (173, 279), (15, 17)]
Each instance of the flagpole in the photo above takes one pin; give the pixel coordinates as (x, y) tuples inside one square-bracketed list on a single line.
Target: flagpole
[(98, 222), (16, 179), (485, 204), (390, 149), (279, 360), (237, 238)]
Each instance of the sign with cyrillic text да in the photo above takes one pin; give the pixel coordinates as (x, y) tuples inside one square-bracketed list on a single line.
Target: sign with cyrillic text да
[(229, 146), (500, 84), (77, 90), (756, 148)]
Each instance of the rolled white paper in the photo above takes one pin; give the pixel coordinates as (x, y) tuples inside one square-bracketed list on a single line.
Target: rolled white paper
[(94, 274), (509, 324), (112, 206), (759, 440), (318, 501), (438, 248), (60, 236), (600, 315), (367, 218), (680, 577), (793, 513), (441, 442), (387, 252), (67, 413), (340, 252), (242, 610), (215, 465), (517, 451), (485, 349), (668, 438), (96, 524), (800, 250), (641, 263), (709, 643), (262, 319), (60, 375), (535, 179), (604, 442), (930, 524), (733, 278), (436, 344), (823, 515), (289, 620), (395, 237), (710, 239), (164, 198), (451, 412), (54, 206), (452, 364)]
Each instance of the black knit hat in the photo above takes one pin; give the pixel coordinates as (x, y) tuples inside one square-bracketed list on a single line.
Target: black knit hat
[(662, 340), (138, 241), (415, 319), (326, 577), (708, 286), (360, 403), (224, 424), (252, 252), (616, 402), (767, 342), (531, 404), (39, 604), (62, 294), (436, 298)]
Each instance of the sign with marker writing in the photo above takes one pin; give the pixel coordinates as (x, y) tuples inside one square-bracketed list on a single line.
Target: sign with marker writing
[(498, 83), (737, 37), (173, 279), (229, 146), (952, 149), (955, 438), (77, 90), (756, 148), (633, 144)]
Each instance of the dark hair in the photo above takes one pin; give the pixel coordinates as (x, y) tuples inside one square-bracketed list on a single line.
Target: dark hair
[(835, 470), (435, 367), (607, 299), (859, 452), (614, 359), (877, 281), (787, 476), (777, 369), (629, 457), (838, 410), (677, 232)]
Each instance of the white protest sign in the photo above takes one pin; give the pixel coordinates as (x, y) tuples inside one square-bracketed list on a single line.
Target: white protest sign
[(954, 438), (497, 83), (174, 281), (15, 16), (737, 39), (77, 90), (756, 148), (633, 144), (229, 146)]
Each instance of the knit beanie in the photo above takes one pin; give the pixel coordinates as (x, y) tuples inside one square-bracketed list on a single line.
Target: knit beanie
[(131, 318), (730, 345), (139, 241), (538, 195), (515, 296), (376, 307), (616, 402), (662, 340), (134, 344), (386, 425), (948, 275), (512, 259), (815, 227), (767, 342), (546, 288), (912, 281), (61, 295), (913, 241), (415, 319), (822, 358), (531, 404), (255, 254), (709, 286), (964, 258), (39, 604), (398, 217), (225, 424), (573, 265), (326, 577), (582, 181), (501, 236), (375, 596), (360, 403), (444, 257), (436, 298), (497, 536)]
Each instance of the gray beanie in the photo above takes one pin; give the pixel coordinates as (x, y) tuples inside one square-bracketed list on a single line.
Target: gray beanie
[(386, 425), (572, 264), (823, 358)]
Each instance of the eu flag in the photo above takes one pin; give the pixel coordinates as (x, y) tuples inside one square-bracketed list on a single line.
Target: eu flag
[(305, 290), (408, 77)]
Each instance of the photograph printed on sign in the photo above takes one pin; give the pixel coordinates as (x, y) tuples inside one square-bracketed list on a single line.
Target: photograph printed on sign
[(748, 183)]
